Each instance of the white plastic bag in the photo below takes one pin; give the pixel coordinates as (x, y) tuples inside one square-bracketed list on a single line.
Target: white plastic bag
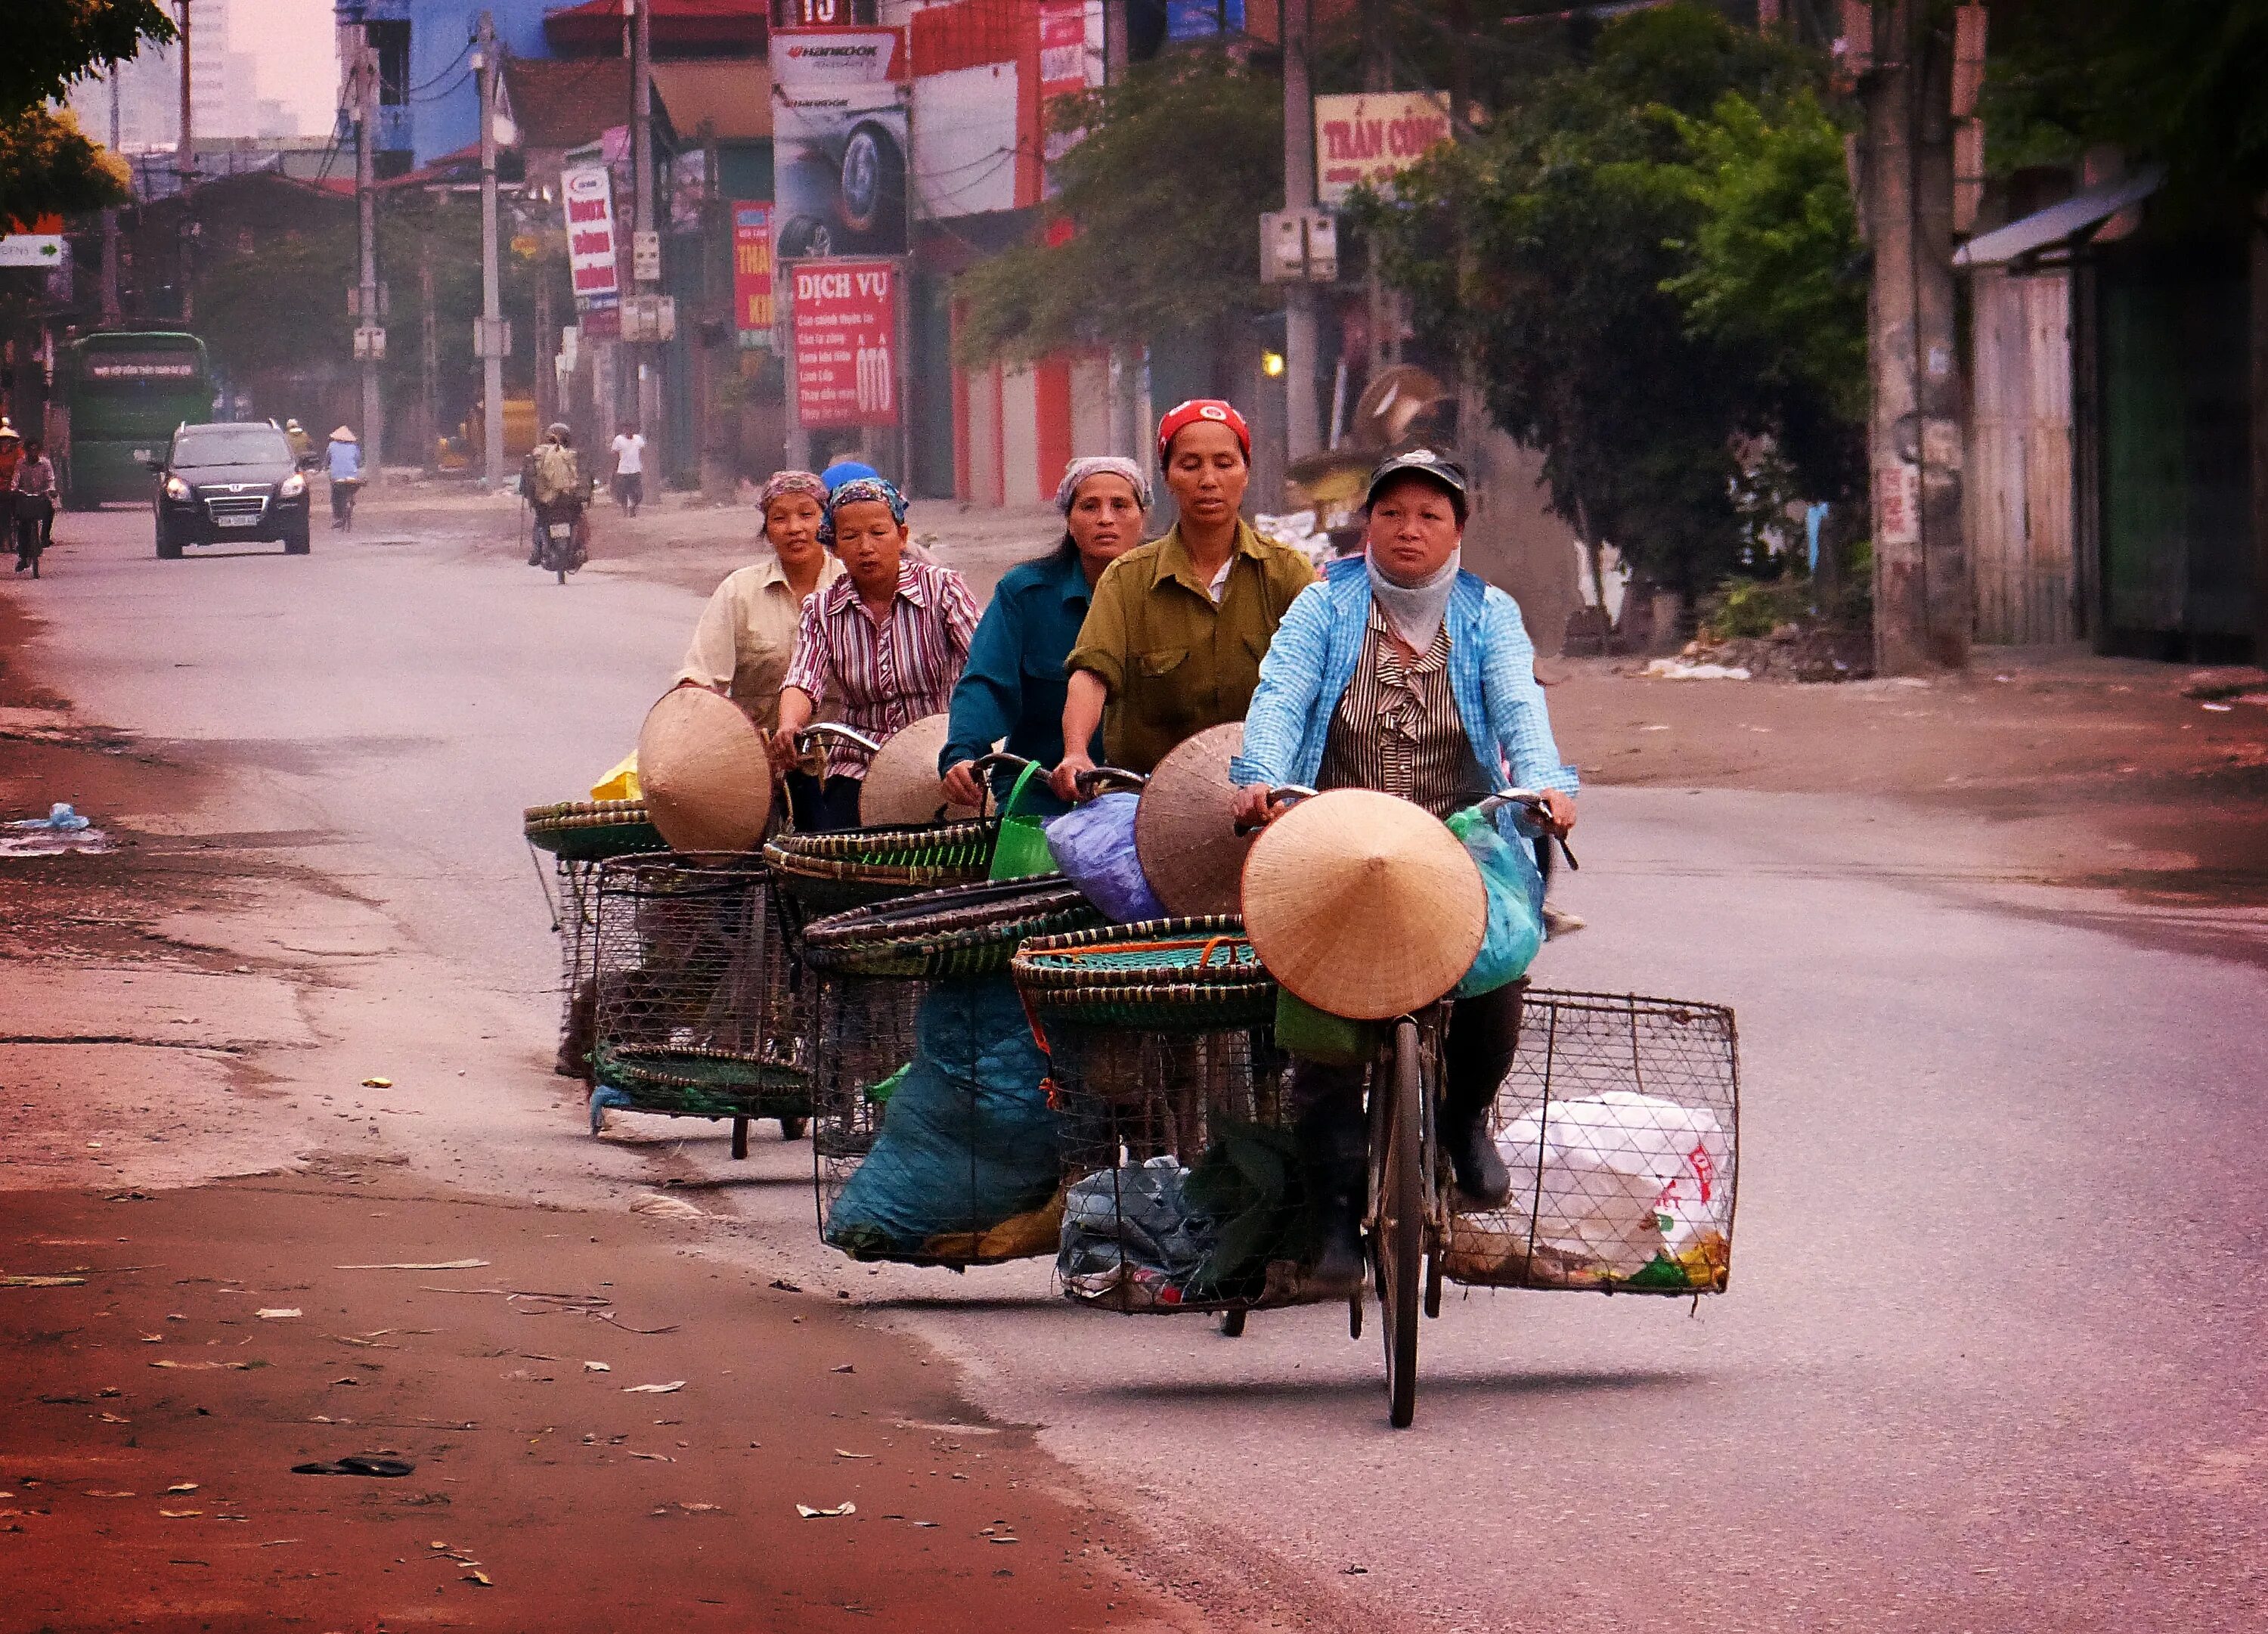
[(1623, 1178)]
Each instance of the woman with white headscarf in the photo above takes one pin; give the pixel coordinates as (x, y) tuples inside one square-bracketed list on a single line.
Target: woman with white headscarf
[(1014, 686)]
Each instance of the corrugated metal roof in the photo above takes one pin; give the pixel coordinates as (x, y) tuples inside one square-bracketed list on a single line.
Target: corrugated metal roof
[(2058, 223)]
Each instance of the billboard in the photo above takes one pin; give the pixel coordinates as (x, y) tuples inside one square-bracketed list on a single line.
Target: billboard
[(752, 271), (588, 194), (846, 343), (1368, 140), (839, 141)]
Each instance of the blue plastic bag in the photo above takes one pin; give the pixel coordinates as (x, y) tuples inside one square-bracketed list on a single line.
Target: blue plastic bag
[(1094, 844), (1515, 905)]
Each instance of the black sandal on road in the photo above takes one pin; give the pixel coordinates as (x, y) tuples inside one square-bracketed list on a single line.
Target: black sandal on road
[(357, 1464)]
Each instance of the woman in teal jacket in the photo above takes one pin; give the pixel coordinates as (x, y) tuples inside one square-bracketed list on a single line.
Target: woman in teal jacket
[(1402, 673)]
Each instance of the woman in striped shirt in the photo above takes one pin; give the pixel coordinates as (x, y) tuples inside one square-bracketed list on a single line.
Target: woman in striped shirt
[(883, 645)]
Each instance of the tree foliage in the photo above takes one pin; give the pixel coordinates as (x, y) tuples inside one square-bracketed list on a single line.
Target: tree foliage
[(46, 165), (2178, 83), (1635, 254), (51, 43), (1161, 196)]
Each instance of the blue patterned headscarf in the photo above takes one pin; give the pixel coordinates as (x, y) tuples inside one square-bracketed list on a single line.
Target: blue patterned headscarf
[(861, 489)]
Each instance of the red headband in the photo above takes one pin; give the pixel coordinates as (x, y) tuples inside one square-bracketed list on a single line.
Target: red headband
[(1200, 409)]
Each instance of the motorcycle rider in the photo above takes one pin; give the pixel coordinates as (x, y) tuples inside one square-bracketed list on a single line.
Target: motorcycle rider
[(552, 478)]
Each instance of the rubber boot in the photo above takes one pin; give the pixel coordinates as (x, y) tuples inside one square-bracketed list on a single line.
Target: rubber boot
[(1334, 1163), (1480, 1171)]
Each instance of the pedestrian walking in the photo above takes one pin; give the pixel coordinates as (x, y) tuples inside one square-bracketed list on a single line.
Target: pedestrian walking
[(630, 467)]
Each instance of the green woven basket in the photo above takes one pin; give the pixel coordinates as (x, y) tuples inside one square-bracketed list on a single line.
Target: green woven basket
[(963, 930), (700, 1083), (1163, 976), (587, 830), (831, 874)]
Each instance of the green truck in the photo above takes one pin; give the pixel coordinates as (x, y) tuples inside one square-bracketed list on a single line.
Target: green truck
[(122, 393)]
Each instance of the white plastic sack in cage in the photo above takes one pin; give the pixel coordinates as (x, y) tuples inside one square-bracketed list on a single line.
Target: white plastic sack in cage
[(1618, 1179)]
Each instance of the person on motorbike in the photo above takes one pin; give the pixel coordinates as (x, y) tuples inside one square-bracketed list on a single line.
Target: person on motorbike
[(1401, 672), (33, 500), (552, 478), (303, 446), (342, 464), (1172, 642), (1014, 686), (746, 637)]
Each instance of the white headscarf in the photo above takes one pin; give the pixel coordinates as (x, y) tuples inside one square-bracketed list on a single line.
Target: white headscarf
[(1415, 611)]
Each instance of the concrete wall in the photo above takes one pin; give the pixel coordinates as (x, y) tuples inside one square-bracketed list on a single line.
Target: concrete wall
[(1514, 541)]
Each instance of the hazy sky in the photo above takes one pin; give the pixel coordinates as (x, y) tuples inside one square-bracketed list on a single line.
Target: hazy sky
[(298, 52)]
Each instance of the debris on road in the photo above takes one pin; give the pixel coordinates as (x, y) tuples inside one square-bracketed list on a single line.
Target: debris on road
[(809, 1514), (671, 1388), (433, 1265)]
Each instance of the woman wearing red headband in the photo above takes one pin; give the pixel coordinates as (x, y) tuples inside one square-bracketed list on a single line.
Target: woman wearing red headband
[(1173, 640)]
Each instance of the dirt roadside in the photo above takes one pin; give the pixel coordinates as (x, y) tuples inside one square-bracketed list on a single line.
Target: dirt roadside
[(603, 1429), (152, 1006)]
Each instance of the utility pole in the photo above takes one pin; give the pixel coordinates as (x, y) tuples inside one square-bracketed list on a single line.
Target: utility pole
[(1302, 435), (1125, 360), (110, 305), (1377, 76), (491, 334), (428, 357), (1923, 611), (372, 349), (185, 168), (645, 358)]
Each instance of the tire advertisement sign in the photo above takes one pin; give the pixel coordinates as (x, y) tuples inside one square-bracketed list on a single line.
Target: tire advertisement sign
[(1366, 141), (839, 99), (588, 194), (846, 343)]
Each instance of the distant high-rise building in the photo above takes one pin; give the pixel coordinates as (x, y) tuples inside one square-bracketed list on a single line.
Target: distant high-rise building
[(224, 89)]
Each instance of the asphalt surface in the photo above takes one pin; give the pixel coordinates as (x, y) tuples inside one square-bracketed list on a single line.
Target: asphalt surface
[(1993, 1356)]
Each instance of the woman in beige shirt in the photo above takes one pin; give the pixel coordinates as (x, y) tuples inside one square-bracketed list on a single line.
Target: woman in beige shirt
[(747, 633)]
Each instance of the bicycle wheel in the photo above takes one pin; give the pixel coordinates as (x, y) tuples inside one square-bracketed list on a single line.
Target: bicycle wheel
[(1398, 1245)]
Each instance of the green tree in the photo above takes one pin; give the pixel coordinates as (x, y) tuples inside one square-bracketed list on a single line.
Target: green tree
[(46, 165), (1550, 248), (1161, 196)]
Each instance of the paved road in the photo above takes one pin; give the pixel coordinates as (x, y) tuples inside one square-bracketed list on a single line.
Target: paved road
[(1992, 1359)]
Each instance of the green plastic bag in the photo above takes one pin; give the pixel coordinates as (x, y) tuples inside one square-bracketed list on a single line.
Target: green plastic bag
[(1319, 1036), (1021, 850)]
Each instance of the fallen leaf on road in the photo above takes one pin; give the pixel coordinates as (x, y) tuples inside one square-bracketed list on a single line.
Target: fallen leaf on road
[(182, 1486), (110, 1494), (23, 1281), (809, 1514), (671, 1388), (1004, 1540), (113, 1418), (436, 1265), (845, 1368), (596, 1368), (698, 1509), (658, 1458), (839, 1453), (180, 1515), (277, 1312), (927, 1525), (478, 1576), (204, 1367), (377, 1083)]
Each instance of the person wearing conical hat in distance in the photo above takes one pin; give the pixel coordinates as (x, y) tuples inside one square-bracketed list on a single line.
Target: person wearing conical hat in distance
[(746, 636), (1402, 673), (882, 646), (1173, 642), (342, 464), (1013, 691)]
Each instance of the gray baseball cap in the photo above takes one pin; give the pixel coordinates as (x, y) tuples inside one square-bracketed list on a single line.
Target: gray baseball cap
[(1426, 462)]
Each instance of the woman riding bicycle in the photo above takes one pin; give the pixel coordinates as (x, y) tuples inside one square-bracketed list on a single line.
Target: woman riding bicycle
[(1401, 672)]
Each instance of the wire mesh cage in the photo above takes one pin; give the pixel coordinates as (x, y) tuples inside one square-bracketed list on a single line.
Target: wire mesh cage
[(933, 1137), (1620, 1123), (577, 835), (698, 1011)]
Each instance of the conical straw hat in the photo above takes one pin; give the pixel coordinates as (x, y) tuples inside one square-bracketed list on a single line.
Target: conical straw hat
[(902, 785), (702, 768), (1363, 904), (1185, 829)]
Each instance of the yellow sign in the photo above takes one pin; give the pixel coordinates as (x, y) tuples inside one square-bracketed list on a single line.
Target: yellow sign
[(1366, 141)]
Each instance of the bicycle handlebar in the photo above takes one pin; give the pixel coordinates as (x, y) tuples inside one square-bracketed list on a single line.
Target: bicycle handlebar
[(807, 739), (1094, 782)]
